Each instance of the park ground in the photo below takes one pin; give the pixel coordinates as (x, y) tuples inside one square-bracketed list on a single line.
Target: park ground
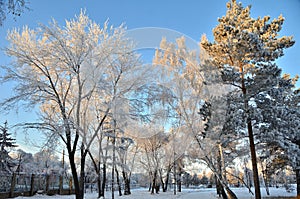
[(241, 193)]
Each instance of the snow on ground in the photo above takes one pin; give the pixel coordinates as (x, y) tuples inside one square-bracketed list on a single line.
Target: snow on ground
[(241, 193)]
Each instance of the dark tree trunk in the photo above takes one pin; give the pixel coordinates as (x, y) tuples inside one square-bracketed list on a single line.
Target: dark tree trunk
[(230, 193), (82, 172), (97, 166), (32, 185), (150, 182), (179, 179), (297, 171), (165, 184), (179, 185), (61, 184), (254, 161), (224, 195), (99, 184), (102, 190), (126, 183), (47, 183), (153, 186), (12, 186), (251, 140), (75, 176), (118, 182), (113, 167), (220, 189)]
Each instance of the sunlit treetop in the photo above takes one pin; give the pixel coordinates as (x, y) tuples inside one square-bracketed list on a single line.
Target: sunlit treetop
[(241, 41)]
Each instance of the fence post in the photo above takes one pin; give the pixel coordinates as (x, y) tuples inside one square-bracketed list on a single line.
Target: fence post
[(32, 185), (12, 185)]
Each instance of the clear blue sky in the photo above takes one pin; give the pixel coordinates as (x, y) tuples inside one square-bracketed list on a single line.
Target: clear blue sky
[(190, 17)]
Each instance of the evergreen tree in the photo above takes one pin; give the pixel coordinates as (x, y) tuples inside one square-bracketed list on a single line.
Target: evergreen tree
[(6, 142), (242, 47), (279, 119)]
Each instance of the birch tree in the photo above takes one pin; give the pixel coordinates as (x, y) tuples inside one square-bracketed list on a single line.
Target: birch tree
[(242, 43), (60, 70), (193, 82), (152, 147), (123, 75), (184, 80)]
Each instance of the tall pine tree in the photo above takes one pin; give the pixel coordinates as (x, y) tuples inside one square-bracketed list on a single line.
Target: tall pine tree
[(241, 44)]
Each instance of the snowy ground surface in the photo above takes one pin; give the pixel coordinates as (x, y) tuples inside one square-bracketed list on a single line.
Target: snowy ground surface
[(241, 193)]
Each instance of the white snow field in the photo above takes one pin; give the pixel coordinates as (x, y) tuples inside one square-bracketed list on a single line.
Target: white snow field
[(241, 193)]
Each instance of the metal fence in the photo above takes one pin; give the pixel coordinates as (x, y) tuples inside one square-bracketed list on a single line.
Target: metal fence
[(29, 184)]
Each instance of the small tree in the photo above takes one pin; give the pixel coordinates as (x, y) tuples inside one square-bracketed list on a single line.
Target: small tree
[(6, 142)]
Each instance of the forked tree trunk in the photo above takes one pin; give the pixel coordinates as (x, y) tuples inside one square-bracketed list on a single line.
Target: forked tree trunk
[(153, 186), (220, 189), (223, 184), (230, 193), (219, 176)]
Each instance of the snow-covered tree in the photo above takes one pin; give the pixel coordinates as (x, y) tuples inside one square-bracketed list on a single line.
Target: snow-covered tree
[(25, 162), (241, 45), (6, 144), (296, 139), (183, 80), (193, 82), (277, 118), (126, 156), (152, 148), (110, 104), (47, 161), (62, 70)]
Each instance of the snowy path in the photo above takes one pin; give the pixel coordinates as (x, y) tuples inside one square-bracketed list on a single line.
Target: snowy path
[(241, 193)]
